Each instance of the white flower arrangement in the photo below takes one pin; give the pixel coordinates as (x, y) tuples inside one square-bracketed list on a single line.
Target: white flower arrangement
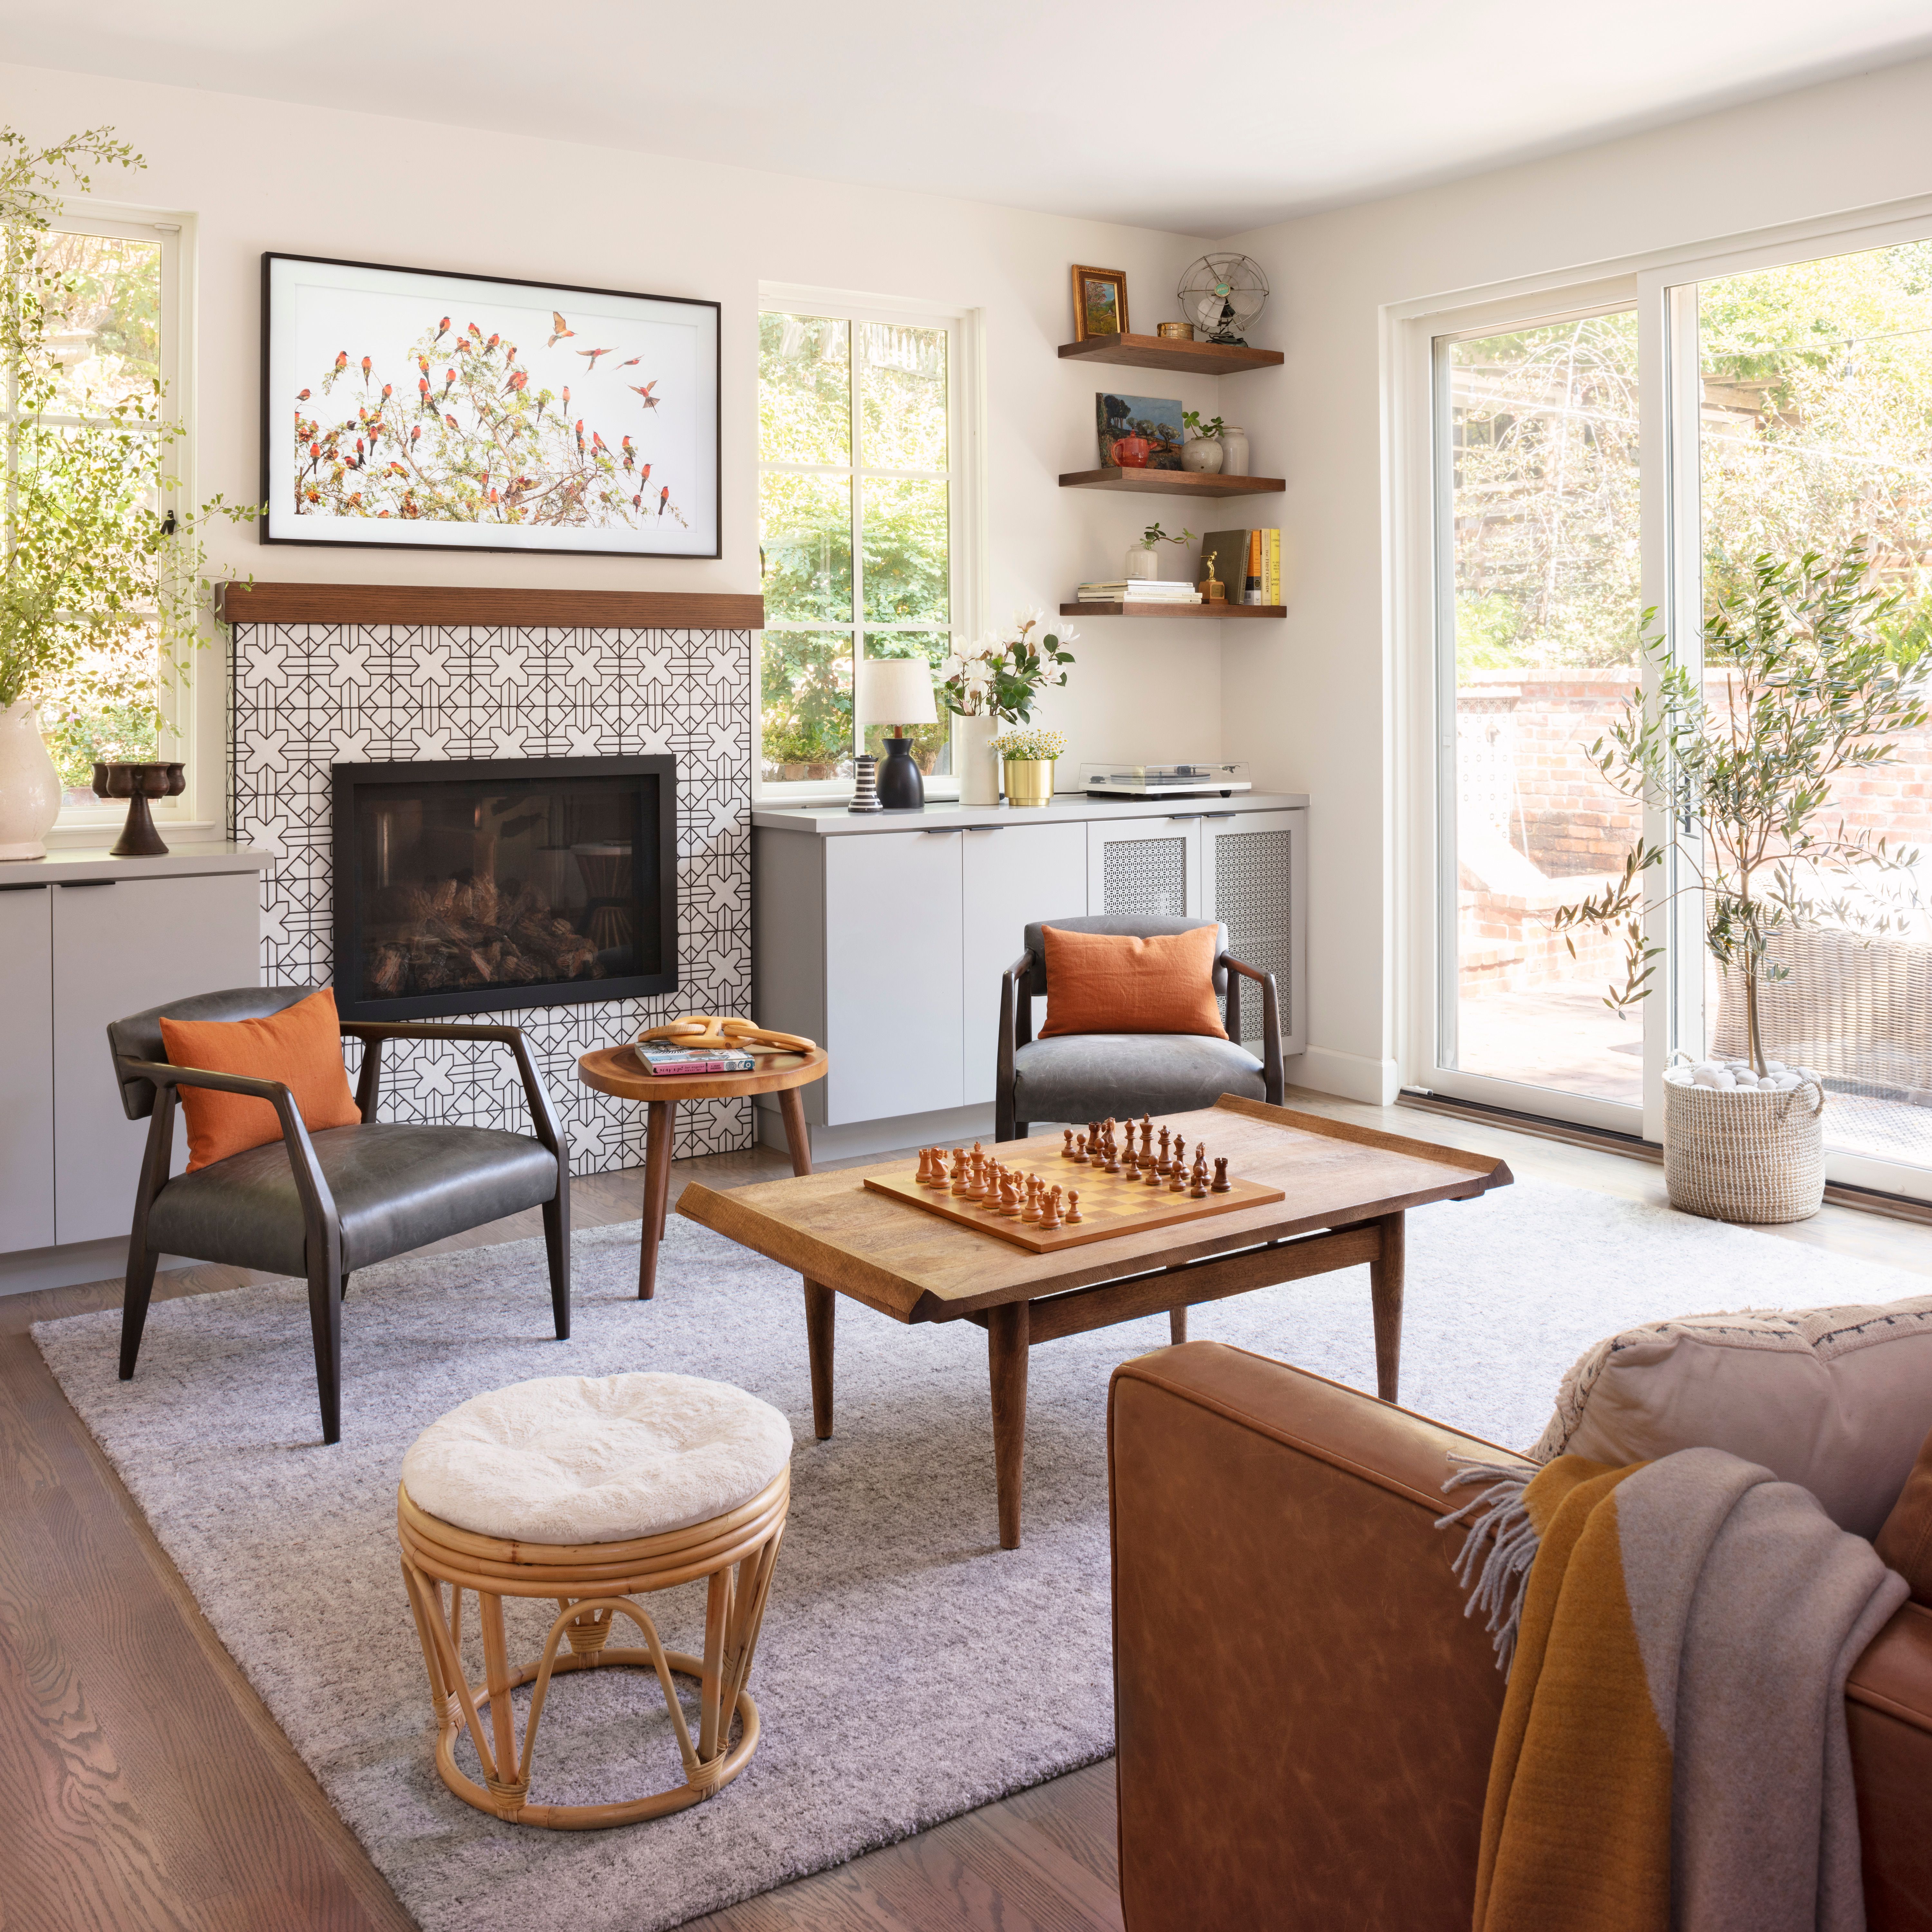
[(1035, 744)]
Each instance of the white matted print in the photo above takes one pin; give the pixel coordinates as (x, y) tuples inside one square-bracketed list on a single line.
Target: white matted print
[(408, 407)]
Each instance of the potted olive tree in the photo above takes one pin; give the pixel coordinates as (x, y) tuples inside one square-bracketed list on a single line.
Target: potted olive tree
[(1809, 672), (101, 573)]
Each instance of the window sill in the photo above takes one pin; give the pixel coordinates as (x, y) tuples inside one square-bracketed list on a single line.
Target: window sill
[(72, 834)]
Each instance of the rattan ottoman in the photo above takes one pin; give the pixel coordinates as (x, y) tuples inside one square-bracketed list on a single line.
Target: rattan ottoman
[(676, 1478)]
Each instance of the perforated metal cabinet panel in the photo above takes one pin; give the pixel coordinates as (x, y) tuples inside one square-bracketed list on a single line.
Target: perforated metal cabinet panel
[(1252, 868), (1148, 866)]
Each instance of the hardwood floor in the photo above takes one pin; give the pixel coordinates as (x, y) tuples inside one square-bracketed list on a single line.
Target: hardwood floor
[(148, 1790)]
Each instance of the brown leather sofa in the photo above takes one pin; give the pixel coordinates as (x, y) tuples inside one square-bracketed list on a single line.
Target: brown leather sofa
[(1305, 1714)]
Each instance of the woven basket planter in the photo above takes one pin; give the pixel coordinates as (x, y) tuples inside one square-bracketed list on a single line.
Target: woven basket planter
[(1739, 1155)]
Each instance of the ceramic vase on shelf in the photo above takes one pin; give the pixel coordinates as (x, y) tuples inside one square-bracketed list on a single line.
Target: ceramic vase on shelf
[(30, 788), (1202, 454), (978, 763), (1143, 564), (1234, 457), (1029, 782)]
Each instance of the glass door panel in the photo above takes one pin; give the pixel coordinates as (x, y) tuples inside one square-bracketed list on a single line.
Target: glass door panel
[(1813, 432), (1539, 611)]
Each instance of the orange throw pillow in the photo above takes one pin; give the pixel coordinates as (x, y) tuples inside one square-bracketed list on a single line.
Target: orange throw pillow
[(300, 1046), (1113, 982)]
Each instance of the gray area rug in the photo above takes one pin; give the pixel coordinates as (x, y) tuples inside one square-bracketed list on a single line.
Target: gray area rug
[(910, 1669)]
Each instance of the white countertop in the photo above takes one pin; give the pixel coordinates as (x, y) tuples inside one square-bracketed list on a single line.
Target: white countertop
[(82, 865), (949, 815)]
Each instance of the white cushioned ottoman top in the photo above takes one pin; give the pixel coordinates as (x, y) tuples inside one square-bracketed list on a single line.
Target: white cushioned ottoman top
[(579, 1458)]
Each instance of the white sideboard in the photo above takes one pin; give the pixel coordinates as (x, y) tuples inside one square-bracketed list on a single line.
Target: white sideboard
[(883, 936), (86, 939)]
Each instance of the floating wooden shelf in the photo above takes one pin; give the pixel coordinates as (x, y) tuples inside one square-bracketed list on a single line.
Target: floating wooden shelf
[(468, 606), (1157, 352), (1166, 610), (1170, 482)]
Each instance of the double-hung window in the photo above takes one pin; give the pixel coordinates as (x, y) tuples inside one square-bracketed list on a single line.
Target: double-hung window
[(865, 523)]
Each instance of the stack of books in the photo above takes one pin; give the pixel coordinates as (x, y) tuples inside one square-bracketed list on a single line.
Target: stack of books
[(1140, 590), (665, 1057), (1248, 561)]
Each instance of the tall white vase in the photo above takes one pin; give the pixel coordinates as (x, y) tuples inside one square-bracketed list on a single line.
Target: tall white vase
[(978, 763), (30, 788)]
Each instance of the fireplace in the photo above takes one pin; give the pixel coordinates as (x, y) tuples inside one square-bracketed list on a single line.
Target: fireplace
[(477, 885)]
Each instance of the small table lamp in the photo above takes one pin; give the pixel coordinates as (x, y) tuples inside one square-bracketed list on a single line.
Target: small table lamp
[(896, 692)]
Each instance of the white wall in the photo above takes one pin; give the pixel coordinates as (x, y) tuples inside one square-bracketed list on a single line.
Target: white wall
[(1310, 702), (261, 175)]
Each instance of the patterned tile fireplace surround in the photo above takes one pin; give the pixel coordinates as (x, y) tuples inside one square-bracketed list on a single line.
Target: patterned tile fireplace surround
[(307, 694)]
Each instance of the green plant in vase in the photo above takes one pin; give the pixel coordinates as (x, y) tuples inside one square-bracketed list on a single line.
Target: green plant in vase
[(997, 684)]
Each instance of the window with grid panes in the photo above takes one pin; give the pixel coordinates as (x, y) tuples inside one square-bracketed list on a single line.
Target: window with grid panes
[(857, 528)]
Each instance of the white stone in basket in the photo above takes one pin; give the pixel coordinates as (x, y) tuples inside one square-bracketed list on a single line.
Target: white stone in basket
[(577, 1459)]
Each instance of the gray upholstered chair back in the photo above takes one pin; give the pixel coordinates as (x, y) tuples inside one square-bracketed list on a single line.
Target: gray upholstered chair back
[(1146, 926), (138, 1036)]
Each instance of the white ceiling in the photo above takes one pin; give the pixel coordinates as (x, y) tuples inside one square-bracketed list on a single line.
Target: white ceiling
[(1201, 118)]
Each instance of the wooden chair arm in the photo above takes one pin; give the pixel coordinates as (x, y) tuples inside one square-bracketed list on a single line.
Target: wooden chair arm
[(1273, 1074), (1015, 1031)]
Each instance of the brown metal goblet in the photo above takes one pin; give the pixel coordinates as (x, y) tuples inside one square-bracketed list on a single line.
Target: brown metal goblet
[(137, 784)]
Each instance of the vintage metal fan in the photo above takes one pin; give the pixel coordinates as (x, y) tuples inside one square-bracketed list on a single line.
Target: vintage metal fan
[(1223, 295)]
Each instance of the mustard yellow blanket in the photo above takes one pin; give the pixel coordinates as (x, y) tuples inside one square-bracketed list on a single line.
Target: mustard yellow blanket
[(1673, 1751)]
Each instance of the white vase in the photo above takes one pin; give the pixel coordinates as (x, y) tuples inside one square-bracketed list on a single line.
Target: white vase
[(30, 788), (978, 763), (1143, 564), (1234, 457), (1202, 454)]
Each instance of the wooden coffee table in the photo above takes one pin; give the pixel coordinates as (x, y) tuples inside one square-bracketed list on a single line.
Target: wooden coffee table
[(1346, 1188), (617, 1071)]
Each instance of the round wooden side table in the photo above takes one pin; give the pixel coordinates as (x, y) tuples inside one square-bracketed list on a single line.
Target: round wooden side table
[(617, 1071)]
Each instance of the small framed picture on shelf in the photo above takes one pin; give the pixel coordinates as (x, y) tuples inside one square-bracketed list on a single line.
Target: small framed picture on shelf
[(1099, 303)]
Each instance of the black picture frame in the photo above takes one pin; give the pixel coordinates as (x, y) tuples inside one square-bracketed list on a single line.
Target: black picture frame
[(271, 527), (655, 859)]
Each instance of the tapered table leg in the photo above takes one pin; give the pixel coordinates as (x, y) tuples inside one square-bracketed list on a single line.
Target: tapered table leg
[(660, 1129), (821, 1305), (1177, 1326), (1006, 1346), (796, 1138), (1385, 1273)]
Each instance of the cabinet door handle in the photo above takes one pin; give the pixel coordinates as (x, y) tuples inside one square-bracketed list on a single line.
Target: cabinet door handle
[(28, 885), (1182, 817), (1220, 814), (84, 885), (986, 828), (940, 831)]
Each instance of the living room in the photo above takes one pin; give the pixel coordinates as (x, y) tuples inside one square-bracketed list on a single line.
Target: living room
[(557, 1097)]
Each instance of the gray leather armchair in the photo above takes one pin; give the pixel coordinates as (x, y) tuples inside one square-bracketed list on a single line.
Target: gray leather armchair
[(1088, 1076), (321, 1205)]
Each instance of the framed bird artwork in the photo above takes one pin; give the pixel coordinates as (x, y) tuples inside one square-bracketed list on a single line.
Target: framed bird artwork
[(407, 408)]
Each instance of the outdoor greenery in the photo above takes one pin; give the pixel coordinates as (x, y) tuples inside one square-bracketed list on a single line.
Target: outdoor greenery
[(1807, 676), (102, 569)]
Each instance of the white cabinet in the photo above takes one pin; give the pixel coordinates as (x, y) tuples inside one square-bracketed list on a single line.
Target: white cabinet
[(119, 946), (1014, 873), (27, 1067), (1150, 867), (1254, 880), (893, 974)]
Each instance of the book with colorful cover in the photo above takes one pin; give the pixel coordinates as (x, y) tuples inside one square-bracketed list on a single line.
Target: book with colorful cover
[(666, 1057)]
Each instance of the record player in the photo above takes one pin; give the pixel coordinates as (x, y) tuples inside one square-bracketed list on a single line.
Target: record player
[(1199, 780)]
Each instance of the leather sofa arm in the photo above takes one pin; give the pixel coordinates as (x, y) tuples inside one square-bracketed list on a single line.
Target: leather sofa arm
[(1888, 1712), (1305, 1715)]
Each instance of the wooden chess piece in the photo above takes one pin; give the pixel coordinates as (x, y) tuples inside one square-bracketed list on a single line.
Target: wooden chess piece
[(925, 1165), (1198, 1190), (1066, 1151), (959, 1170), (1176, 1182), (1080, 1150), (1147, 1139), (1073, 1206), (1009, 1195), (1113, 1154), (975, 1177), (1031, 1211), (1093, 1137), (1152, 1174), (1049, 1211), (1165, 1164), (1221, 1184), (1130, 1160)]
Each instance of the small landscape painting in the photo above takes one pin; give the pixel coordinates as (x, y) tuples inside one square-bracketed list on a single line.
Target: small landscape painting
[(1099, 303), (1139, 432), (404, 407)]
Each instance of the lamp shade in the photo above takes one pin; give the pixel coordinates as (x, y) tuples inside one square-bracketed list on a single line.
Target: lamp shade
[(895, 691)]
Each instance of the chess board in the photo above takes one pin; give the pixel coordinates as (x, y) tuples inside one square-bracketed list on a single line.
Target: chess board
[(1111, 1205)]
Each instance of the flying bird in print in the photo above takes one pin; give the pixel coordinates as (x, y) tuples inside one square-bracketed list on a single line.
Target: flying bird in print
[(632, 364), (593, 354), (303, 397), (650, 402), (561, 327)]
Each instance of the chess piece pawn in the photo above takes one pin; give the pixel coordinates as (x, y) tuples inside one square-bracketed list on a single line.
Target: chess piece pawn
[(1080, 1150), (959, 1170), (1222, 1185), (1177, 1179), (1073, 1205), (1113, 1154), (1067, 1147), (1151, 1175), (1049, 1211)]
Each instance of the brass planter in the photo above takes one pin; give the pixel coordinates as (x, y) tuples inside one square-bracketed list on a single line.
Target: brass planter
[(1029, 780)]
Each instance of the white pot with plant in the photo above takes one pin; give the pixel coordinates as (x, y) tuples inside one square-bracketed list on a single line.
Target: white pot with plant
[(996, 686), (1202, 452), (1028, 756), (1144, 557), (101, 572), (1818, 676)]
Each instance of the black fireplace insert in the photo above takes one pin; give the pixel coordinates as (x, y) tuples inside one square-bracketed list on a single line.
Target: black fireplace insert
[(474, 885)]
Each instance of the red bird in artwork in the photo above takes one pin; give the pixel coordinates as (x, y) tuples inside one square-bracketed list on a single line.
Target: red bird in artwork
[(593, 354), (448, 383), (637, 501), (579, 435), (360, 458), (650, 401), (463, 345), (475, 332), (664, 497), (517, 381), (562, 329), (365, 369), (442, 330), (416, 436), (303, 397), (493, 500), (397, 470), (451, 421), (632, 364), (644, 474), (598, 442), (630, 454), (566, 399), (491, 343), (388, 388), (422, 363), (422, 393), (314, 451)]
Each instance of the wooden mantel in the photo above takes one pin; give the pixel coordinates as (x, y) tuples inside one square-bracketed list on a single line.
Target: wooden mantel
[(466, 606)]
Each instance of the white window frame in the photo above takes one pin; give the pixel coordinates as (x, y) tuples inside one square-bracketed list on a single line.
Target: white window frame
[(1661, 285), (193, 709), (966, 508)]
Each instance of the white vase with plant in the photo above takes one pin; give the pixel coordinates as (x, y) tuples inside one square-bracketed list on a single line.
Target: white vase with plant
[(1028, 756), (1810, 675), (1202, 453), (1144, 556), (101, 571), (996, 685)]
